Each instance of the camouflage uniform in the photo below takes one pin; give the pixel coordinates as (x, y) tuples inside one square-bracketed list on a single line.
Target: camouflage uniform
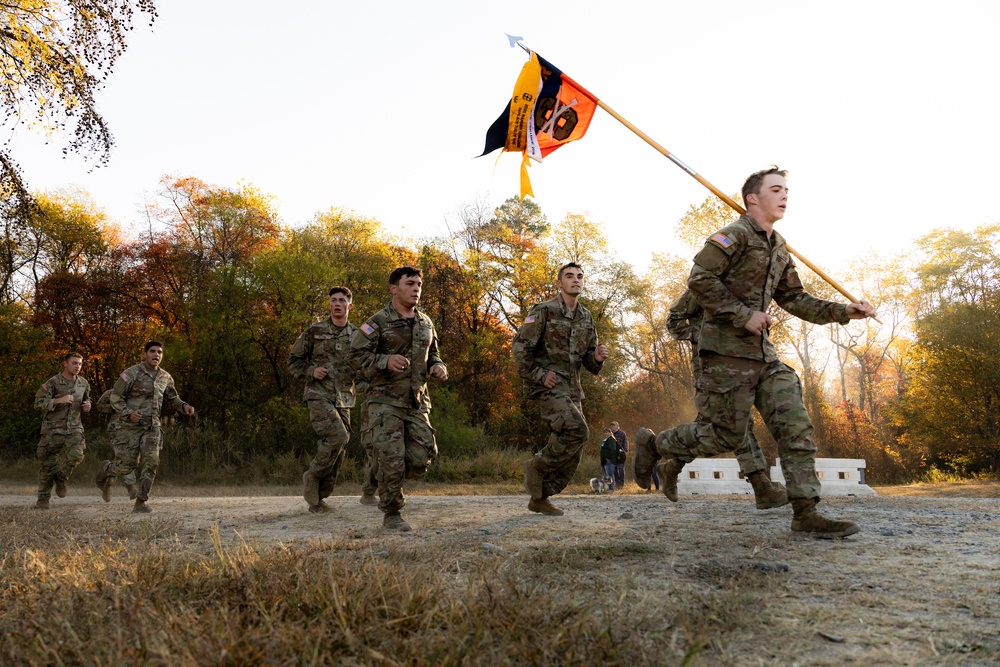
[(330, 400), (104, 406), (369, 481), (740, 271), (62, 444), (140, 388), (552, 338), (399, 404), (683, 324)]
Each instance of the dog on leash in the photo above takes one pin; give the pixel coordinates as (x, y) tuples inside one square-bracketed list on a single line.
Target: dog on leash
[(602, 484)]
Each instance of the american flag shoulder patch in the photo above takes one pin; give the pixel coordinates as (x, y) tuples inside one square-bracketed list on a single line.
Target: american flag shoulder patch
[(721, 240), (124, 377), (368, 329), (529, 319)]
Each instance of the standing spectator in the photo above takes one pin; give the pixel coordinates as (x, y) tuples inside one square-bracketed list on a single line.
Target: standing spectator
[(622, 440), (61, 446), (609, 457)]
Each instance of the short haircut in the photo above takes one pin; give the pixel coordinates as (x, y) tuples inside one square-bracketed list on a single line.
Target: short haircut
[(340, 289), (614, 423), (607, 430), (72, 353), (403, 272), (152, 343), (756, 179), (567, 265)]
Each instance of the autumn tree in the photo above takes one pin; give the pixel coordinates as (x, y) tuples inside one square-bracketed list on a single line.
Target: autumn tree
[(55, 55)]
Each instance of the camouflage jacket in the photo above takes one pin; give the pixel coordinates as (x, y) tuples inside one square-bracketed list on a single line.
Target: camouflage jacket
[(325, 345), (387, 333), (65, 417), (139, 388), (553, 339), (739, 271)]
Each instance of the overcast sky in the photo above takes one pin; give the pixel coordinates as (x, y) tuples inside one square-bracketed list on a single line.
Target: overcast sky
[(885, 113)]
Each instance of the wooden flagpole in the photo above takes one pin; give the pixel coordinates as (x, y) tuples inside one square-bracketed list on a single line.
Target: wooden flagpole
[(698, 177)]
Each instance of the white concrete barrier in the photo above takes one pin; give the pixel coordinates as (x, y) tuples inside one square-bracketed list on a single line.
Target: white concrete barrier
[(839, 477)]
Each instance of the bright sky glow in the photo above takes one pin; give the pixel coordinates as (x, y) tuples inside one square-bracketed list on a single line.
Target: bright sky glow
[(885, 113)]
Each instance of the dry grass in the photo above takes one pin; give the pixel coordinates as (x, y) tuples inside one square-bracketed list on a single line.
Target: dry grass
[(621, 580), (969, 489)]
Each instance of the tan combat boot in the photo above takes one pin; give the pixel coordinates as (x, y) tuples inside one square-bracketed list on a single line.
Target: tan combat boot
[(532, 479), (543, 506), (41, 504), (319, 508), (310, 488), (141, 507), (60, 486), (645, 457), (394, 521), (369, 499), (104, 480), (807, 520), (767, 493), (668, 472)]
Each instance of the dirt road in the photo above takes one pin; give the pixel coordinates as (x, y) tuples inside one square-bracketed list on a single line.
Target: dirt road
[(919, 585)]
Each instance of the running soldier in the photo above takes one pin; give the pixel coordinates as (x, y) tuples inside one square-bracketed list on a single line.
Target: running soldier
[(683, 323), (395, 351), (554, 341), (61, 399), (321, 356), (736, 275), (137, 399)]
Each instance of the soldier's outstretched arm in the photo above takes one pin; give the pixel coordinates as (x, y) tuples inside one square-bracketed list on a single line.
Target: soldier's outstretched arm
[(791, 296)]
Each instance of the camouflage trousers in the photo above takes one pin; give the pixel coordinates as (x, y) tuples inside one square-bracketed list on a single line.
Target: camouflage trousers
[(369, 480), (728, 388), (560, 457), (749, 454), (58, 454), (404, 447), (333, 426), (132, 443)]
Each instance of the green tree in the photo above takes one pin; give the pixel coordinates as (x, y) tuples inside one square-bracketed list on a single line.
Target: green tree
[(951, 401), (506, 251)]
